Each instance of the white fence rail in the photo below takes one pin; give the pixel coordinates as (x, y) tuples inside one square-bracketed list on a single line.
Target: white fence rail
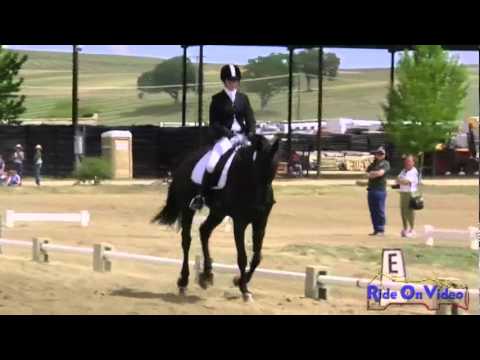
[(316, 279), (470, 235), (11, 217)]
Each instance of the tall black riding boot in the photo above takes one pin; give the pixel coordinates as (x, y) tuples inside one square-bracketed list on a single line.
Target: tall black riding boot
[(198, 202)]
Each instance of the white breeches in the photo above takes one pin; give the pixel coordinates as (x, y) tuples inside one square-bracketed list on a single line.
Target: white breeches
[(220, 148)]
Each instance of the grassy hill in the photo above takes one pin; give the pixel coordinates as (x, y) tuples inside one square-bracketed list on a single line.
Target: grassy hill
[(108, 87)]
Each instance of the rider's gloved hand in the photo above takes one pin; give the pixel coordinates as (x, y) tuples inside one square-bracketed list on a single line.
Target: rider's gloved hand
[(240, 139)]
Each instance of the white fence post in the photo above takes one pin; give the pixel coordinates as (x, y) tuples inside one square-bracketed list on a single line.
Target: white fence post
[(315, 289), (100, 261), (85, 218), (38, 253), (474, 238), (9, 218), (429, 234)]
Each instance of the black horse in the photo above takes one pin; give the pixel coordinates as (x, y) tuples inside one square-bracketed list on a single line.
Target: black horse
[(247, 198)]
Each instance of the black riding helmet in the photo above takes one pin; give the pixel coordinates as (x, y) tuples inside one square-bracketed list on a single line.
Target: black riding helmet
[(230, 72)]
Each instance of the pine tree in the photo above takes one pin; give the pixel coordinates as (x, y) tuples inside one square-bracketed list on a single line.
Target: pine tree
[(422, 109), (11, 104)]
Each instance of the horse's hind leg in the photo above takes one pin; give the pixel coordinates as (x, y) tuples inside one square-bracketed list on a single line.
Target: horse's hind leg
[(187, 217), (205, 278)]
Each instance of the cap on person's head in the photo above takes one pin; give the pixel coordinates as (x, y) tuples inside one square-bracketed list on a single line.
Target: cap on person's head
[(39, 147), (380, 150), (18, 146)]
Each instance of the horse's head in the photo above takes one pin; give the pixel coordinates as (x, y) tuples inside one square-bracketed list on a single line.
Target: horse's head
[(264, 169), (264, 159)]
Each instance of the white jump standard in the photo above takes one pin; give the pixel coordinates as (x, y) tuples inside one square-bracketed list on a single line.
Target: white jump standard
[(11, 217)]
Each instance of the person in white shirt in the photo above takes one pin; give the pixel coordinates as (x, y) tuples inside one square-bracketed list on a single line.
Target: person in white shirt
[(232, 124), (408, 182)]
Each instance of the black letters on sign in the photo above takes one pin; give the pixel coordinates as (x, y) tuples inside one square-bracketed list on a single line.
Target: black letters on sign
[(391, 263)]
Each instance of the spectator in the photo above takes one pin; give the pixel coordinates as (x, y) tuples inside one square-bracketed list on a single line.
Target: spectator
[(13, 178), (377, 191), (37, 163), (295, 164), (3, 176), (18, 158), (2, 165), (408, 184), (472, 147)]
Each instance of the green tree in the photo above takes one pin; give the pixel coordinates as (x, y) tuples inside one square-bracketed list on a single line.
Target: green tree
[(422, 109), (274, 68), (11, 104), (307, 62), (166, 77)]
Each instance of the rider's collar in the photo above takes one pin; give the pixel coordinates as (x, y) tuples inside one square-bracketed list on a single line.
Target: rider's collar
[(231, 93)]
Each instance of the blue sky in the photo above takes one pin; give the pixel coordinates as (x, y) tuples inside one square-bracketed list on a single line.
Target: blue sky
[(350, 58)]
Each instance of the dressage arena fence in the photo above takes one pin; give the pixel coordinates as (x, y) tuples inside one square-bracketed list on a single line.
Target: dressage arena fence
[(316, 279), (471, 234), (11, 217)]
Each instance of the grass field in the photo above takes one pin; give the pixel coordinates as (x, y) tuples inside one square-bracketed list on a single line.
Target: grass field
[(324, 226), (108, 87)]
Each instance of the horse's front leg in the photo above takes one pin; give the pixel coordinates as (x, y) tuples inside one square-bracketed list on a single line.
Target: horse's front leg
[(205, 278), (258, 233), (187, 217), (239, 233)]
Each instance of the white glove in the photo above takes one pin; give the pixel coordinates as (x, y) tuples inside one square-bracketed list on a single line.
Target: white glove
[(239, 139)]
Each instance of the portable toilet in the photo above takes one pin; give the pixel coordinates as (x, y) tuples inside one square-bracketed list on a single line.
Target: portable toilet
[(117, 149)]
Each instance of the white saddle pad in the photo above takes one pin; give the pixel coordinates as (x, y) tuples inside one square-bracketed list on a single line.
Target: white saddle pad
[(200, 168)]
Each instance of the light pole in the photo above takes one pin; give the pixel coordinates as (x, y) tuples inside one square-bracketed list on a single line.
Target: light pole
[(77, 139)]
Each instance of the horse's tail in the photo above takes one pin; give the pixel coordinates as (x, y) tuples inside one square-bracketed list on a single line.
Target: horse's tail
[(171, 211)]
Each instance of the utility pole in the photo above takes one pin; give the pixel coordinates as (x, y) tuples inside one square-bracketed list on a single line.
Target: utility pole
[(77, 140), (298, 97), (200, 88)]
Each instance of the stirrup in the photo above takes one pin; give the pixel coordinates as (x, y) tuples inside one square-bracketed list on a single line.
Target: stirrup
[(197, 203)]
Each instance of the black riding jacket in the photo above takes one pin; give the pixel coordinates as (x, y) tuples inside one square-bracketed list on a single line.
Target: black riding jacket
[(222, 111)]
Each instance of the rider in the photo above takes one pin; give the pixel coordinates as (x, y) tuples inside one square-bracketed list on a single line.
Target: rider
[(232, 123)]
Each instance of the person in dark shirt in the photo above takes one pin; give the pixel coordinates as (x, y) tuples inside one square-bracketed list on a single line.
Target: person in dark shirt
[(37, 163), (3, 175), (377, 191), (18, 158)]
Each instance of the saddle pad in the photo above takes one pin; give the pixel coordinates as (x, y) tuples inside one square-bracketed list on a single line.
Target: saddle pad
[(224, 163)]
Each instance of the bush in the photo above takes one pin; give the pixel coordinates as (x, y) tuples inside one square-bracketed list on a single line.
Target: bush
[(93, 169)]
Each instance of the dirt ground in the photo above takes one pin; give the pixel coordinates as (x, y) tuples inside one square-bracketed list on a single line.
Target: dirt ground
[(310, 225)]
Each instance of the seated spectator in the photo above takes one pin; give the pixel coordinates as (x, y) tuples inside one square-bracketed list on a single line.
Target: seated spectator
[(13, 178), (295, 164)]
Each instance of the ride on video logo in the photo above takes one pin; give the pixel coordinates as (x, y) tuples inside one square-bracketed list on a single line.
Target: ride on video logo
[(393, 289)]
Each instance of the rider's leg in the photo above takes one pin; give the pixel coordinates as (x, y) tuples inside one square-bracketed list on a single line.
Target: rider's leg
[(220, 148)]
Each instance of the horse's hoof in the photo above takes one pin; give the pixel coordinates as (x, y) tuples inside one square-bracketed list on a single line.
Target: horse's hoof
[(182, 283), (247, 297), (236, 281), (205, 280), (182, 291)]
